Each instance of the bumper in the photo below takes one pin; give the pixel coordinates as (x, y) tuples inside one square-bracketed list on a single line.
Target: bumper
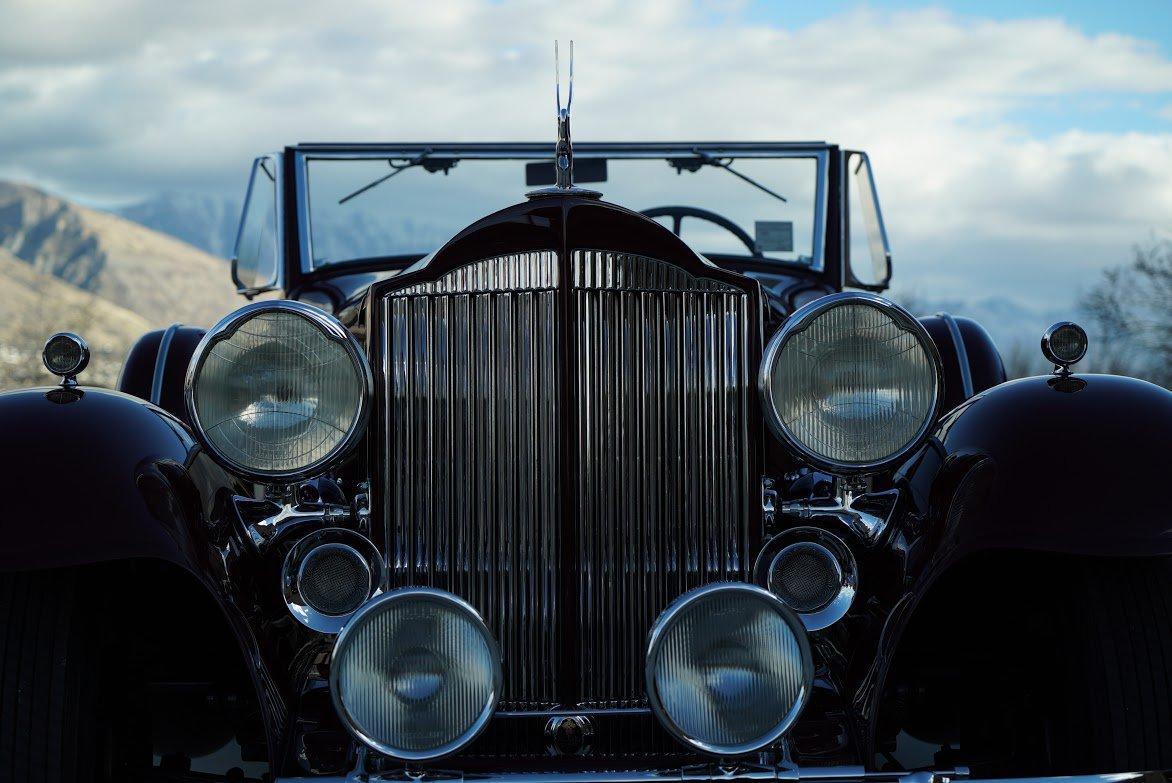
[(713, 773)]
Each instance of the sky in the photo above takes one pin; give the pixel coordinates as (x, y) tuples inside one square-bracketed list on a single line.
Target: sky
[(1019, 147)]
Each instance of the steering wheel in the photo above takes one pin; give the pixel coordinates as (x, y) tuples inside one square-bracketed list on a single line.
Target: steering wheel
[(678, 213)]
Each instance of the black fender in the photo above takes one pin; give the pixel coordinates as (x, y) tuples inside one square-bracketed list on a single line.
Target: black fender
[(1047, 465), (971, 360), (156, 367), (1053, 464), (97, 476)]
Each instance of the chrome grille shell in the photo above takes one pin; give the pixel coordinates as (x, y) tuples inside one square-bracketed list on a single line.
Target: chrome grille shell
[(569, 441)]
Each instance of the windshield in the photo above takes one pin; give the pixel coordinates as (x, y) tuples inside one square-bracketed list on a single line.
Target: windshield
[(377, 205)]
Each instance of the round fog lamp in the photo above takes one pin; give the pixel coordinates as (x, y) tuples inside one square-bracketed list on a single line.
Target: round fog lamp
[(65, 354), (1064, 343), (728, 668), (415, 674)]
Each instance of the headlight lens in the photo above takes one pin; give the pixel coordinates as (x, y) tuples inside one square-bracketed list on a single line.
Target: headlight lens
[(415, 674), (728, 668), (852, 382), (278, 390)]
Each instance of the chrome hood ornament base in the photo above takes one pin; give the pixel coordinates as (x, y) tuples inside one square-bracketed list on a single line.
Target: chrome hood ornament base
[(564, 151)]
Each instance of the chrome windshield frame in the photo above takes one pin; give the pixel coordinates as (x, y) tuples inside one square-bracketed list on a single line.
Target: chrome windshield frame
[(302, 154)]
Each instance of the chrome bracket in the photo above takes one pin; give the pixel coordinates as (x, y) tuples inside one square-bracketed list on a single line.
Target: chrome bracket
[(768, 501), (267, 520), (867, 514)]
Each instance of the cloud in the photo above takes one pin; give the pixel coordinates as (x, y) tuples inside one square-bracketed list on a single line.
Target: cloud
[(124, 98)]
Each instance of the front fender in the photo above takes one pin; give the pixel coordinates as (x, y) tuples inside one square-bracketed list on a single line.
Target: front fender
[(1047, 465), (1068, 463), (97, 476)]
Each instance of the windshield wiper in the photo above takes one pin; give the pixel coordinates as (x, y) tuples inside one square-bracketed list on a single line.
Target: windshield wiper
[(708, 159), (432, 166)]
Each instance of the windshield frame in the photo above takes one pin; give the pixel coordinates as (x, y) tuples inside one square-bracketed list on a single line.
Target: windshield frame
[(302, 154)]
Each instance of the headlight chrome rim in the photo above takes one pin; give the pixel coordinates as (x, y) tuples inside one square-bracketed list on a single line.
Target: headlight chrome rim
[(826, 616), (670, 617), (291, 573), (486, 714), (797, 322), (332, 329)]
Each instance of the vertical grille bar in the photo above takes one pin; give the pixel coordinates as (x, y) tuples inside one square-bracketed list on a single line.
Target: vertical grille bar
[(663, 473), (472, 474), (660, 457)]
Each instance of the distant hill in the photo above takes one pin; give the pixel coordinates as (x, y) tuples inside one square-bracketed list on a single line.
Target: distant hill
[(154, 275), (67, 267), (35, 304), (200, 220)]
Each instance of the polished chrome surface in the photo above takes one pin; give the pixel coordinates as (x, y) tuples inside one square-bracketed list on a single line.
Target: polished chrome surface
[(840, 603), (962, 354), (563, 151), (799, 321), (477, 444), (291, 571), (268, 520), (663, 473), (1061, 360), (569, 734), (865, 514), (351, 635), (75, 345), (722, 771), (333, 330), (733, 655), (473, 454)]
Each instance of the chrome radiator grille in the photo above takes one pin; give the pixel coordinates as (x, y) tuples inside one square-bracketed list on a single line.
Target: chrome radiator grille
[(661, 453), (626, 378), (473, 454)]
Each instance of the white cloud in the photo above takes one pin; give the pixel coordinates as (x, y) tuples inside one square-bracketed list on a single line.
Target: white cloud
[(122, 98)]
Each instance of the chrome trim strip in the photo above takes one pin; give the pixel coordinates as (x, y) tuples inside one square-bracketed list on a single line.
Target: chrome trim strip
[(333, 329), (962, 355), (161, 363), (727, 772)]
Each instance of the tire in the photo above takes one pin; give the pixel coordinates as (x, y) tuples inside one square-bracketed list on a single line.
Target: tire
[(1119, 671), (47, 679)]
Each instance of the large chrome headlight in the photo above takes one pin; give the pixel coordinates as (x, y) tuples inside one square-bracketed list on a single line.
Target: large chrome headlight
[(728, 668), (415, 674), (278, 390), (851, 382)]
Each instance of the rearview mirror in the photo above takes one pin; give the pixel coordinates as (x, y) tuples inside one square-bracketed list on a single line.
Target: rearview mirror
[(256, 264), (866, 231)]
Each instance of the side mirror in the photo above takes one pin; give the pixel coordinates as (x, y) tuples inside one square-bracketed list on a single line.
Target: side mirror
[(866, 233), (256, 264)]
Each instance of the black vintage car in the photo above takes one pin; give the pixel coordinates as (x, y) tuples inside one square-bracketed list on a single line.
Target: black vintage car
[(583, 494)]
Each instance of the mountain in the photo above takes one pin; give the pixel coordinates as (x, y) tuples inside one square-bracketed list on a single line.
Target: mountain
[(36, 304), (154, 275), (203, 221)]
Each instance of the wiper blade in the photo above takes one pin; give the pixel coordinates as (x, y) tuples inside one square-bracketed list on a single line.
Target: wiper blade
[(708, 159), (421, 159)]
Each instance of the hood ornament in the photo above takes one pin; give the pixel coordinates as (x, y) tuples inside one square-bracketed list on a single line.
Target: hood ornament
[(563, 162)]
